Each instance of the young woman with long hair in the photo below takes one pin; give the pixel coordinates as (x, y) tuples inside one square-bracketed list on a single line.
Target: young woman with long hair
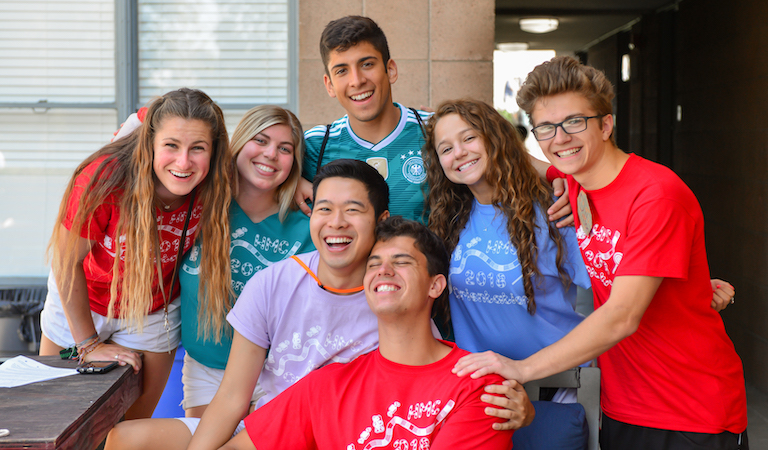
[(512, 271), (113, 289), (265, 227)]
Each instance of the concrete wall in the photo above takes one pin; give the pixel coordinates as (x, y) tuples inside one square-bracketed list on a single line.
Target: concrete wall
[(443, 50), (721, 151)]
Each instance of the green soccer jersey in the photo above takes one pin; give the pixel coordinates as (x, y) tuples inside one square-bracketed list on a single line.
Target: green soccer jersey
[(253, 246), (397, 158)]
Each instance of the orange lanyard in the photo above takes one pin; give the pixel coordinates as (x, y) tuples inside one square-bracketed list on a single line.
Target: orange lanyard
[(327, 288)]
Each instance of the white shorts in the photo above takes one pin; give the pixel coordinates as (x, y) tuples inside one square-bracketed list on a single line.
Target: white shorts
[(193, 422), (201, 383), (153, 338)]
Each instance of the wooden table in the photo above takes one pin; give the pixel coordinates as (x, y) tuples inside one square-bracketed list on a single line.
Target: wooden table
[(74, 412)]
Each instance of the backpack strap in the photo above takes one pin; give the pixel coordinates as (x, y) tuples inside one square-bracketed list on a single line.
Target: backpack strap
[(421, 122), (322, 148)]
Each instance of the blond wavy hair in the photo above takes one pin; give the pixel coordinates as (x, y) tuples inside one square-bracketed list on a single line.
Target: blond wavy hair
[(127, 172), (563, 74), (517, 189)]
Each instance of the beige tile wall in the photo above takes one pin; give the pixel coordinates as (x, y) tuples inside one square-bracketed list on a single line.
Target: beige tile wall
[(443, 50)]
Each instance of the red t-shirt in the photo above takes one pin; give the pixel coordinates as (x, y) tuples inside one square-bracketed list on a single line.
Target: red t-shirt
[(101, 228), (679, 371), (374, 403)]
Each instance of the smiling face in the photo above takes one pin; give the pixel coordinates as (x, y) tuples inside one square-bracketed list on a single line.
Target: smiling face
[(360, 80), (182, 157), (397, 279), (579, 154), (342, 225), (462, 155), (265, 161)]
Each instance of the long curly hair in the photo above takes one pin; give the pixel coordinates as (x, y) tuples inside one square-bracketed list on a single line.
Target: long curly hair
[(517, 189), (127, 173)]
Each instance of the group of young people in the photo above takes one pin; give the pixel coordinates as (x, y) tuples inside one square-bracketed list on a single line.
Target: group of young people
[(174, 233)]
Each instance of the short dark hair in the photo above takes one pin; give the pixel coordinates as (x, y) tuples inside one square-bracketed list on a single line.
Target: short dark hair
[(378, 190), (427, 241), (342, 34), (433, 248)]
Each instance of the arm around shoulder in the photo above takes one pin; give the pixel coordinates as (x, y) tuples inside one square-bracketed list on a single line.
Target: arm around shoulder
[(618, 318)]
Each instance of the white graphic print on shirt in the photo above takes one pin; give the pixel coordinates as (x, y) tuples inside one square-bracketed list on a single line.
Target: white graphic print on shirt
[(420, 439)]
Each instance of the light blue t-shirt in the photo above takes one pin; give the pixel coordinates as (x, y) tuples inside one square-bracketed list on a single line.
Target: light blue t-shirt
[(489, 309), (253, 246), (397, 157)]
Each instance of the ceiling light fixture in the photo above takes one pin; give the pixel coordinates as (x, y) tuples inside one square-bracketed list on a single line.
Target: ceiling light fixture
[(539, 25)]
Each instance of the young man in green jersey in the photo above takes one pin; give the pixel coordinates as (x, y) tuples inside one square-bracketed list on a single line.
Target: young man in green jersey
[(359, 73)]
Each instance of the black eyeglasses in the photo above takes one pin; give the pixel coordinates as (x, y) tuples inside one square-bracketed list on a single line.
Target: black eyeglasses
[(570, 126)]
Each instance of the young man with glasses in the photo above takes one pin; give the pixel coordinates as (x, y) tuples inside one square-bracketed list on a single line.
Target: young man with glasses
[(671, 378)]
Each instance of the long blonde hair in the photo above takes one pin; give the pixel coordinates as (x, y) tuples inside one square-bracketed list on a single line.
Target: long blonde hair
[(127, 172), (517, 189), (212, 311)]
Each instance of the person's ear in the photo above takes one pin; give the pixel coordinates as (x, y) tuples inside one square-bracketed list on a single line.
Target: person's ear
[(329, 86), (607, 126), (392, 71), (384, 216), (438, 286)]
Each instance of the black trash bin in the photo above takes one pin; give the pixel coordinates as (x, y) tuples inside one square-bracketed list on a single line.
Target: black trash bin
[(20, 308)]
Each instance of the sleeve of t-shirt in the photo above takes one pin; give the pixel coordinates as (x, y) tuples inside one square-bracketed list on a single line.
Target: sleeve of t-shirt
[(249, 315), (574, 267), (470, 428), (553, 173), (659, 240), (285, 421), (311, 152), (95, 226)]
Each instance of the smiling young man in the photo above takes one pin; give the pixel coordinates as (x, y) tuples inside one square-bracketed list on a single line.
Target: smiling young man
[(402, 395), (671, 378), (303, 313), (359, 73)]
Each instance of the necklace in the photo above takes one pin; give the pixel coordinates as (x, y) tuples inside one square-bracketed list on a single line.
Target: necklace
[(167, 207), (324, 287)]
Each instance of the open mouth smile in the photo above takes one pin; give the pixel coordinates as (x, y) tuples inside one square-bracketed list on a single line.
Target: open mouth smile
[(567, 153), (465, 166), (337, 242), (361, 97), (180, 174), (264, 168), (386, 288)]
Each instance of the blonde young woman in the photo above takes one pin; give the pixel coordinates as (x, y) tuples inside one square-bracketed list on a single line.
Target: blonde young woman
[(265, 227), (113, 290)]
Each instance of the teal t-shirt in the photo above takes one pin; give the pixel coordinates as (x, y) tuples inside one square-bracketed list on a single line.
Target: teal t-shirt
[(253, 247), (397, 158)]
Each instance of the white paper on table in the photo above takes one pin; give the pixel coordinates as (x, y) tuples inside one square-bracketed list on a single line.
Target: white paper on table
[(21, 370)]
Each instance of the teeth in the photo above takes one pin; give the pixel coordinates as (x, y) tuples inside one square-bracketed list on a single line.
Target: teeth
[(570, 152), (362, 96), (264, 168), (467, 165), (387, 288), (338, 240), (181, 174)]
